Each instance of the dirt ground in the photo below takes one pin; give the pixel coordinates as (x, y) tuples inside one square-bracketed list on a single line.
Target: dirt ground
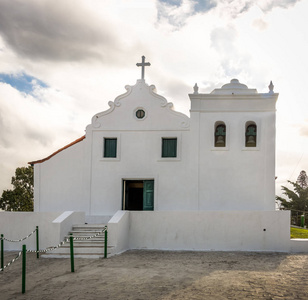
[(161, 275)]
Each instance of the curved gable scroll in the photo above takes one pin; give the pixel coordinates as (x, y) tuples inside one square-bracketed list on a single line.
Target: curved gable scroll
[(121, 115), (112, 104), (169, 106)]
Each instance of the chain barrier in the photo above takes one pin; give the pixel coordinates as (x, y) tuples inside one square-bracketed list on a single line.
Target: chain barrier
[(66, 241), (8, 240), (49, 248), (34, 251), (90, 237), (13, 260)]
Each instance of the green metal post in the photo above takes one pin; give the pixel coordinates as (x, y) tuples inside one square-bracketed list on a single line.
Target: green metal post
[(303, 221), (105, 250), (23, 289), (2, 259), (37, 243), (72, 253)]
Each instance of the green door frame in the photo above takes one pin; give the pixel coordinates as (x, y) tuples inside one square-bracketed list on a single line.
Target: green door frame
[(148, 193)]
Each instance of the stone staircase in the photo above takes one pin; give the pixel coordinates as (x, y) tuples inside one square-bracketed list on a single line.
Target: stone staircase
[(84, 248)]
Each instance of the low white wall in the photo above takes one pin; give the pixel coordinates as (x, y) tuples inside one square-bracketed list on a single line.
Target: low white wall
[(299, 245), (211, 230), (17, 225), (65, 221), (118, 231), (203, 230)]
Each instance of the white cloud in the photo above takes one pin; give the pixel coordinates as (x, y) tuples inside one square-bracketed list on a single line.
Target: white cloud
[(30, 128), (175, 13), (268, 5), (41, 30)]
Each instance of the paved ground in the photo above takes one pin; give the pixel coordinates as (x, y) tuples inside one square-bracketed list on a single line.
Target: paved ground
[(161, 275)]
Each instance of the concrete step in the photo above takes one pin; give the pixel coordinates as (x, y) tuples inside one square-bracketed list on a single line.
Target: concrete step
[(86, 237), (89, 226), (86, 233), (79, 250), (85, 247), (89, 244), (79, 253), (101, 246)]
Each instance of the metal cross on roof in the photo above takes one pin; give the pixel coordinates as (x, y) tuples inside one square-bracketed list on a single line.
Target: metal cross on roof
[(143, 64)]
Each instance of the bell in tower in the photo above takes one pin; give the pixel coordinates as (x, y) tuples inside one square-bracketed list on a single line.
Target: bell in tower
[(251, 142), (251, 136), (220, 136)]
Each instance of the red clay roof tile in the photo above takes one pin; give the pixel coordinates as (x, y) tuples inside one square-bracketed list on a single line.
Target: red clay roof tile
[(53, 154)]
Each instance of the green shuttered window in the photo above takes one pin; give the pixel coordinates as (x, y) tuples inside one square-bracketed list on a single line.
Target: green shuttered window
[(110, 147), (169, 146)]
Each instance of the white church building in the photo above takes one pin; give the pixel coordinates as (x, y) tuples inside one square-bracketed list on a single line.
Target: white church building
[(162, 180), (141, 155)]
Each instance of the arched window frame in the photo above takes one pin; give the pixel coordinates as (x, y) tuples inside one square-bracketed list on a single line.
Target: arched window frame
[(220, 124), (248, 125)]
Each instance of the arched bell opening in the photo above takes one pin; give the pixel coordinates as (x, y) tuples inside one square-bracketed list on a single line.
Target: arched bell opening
[(220, 134), (251, 135)]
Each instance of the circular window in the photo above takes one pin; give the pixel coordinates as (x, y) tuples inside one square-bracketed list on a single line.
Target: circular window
[(140, 113)]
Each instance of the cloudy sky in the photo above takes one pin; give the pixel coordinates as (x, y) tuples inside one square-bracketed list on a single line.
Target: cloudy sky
[(61, 61)]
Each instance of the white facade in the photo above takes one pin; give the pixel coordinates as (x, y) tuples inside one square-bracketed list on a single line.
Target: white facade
[(235, 177), (162, 180), (201, 176)]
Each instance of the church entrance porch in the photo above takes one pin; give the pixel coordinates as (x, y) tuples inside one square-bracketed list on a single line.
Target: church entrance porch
[(138, 195)]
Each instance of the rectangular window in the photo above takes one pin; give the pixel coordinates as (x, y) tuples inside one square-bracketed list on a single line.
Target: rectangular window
[(169, 146), (110, 147)]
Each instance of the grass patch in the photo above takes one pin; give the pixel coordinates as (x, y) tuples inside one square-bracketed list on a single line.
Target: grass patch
[(299, 233)]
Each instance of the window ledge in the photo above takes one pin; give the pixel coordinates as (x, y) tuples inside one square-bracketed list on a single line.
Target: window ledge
[(169, 159), (251, 149), (220, 149), (110, 159)]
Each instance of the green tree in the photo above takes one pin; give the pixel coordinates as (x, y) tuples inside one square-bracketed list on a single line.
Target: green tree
[(302, 179), (20, 198), (297, 199)]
